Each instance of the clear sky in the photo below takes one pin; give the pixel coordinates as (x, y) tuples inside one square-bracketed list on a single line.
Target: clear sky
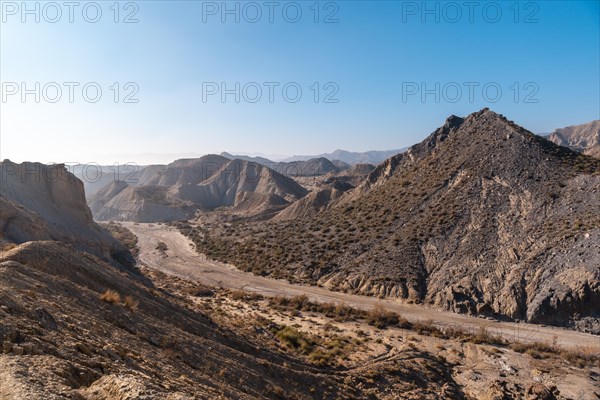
[(362, 68)]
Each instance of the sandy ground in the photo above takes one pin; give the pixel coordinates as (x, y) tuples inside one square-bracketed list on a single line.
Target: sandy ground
[(181, 259)]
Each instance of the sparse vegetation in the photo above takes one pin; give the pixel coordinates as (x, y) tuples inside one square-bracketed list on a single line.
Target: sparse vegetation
[(162, 247), (131, 303), (111, 296)]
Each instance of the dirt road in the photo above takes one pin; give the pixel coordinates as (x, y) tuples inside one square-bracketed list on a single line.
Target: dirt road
[(182, 260)]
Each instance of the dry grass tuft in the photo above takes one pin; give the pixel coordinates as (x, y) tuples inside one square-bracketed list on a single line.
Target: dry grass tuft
[(111, 296), (131, 303)]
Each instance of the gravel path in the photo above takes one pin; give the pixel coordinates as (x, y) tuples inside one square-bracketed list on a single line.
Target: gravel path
[(182, 260)]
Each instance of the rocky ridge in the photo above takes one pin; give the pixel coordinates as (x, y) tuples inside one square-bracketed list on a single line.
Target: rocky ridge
[(482, 217)]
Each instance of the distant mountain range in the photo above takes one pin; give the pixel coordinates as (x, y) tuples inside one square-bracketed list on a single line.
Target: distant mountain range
[(368, 157)]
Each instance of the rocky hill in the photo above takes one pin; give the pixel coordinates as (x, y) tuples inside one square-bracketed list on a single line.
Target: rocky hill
[(482, 217), (354, 175), (149, 346), (316, 201), (186, 186), (46, 202), (122, 202), (182, 172), (584, 138)]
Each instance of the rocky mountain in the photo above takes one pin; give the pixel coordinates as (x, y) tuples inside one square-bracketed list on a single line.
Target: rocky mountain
[(348, 157), (186, 186), (122, 202), (482, 217), (181, 172), (316, 201), (237, 176), (583, 138), (46, 202), (325, 192)]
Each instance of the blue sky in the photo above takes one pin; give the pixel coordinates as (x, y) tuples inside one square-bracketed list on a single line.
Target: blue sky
[(374, 58)]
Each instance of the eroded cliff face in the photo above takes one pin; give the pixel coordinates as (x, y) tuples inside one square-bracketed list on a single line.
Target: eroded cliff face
[(584, 138), (482, 217), (46, 202)]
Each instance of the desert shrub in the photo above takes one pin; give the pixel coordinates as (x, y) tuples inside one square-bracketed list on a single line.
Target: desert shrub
[(292, 337), (582, 356), (238, 295), (381, 318), (131, 303), (111, 296), (483, 336), (162, 246)]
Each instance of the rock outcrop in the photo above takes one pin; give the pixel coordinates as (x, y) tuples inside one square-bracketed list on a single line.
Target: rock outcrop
[(584, 138), (46, 202)]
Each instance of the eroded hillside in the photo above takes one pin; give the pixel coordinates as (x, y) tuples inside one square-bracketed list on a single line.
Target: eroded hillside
[(481, 217)]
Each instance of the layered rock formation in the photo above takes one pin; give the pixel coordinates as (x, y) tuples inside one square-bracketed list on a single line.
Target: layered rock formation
[(41, 202), (584, 138)]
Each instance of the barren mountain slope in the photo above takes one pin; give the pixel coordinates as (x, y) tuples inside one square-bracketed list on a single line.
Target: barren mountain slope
[(182, 172), (186, 186), (315, 201), (584, 138), (74, 327), (354, 175), (238, 176), (96, 177), (481, 217), (40, 202), (99, 199), (141, 204)]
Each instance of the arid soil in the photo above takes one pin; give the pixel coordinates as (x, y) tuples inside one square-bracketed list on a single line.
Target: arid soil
[(182, 260)]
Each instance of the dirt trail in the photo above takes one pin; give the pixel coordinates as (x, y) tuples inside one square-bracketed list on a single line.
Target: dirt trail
[(182, 260)]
